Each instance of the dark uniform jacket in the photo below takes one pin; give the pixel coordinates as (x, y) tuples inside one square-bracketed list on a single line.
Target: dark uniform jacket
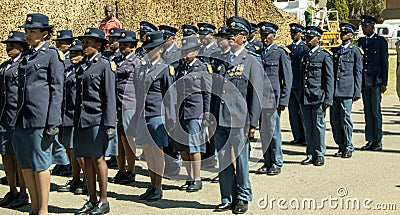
[(347, 67), (67, 61), (278, 69), (69, 95), (376, 60), (95, 95), (40, 91), (8, 90), (126, 98), (172, 57), (317, 82), (296, 52), (206, 53), (194, 84)]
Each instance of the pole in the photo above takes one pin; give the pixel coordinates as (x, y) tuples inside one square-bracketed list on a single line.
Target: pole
[(236, 8)]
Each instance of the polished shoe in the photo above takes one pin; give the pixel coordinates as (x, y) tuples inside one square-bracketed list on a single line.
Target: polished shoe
[(128, 177), (57, 169), (241, 207), (87, 207), (112, 162), (338, 154), (347, 154), (262, 170), (186, 185), (4, 180), (146, 194), (223, 207), (22, 200), (376, 146), (307, 161), (274, 171), (100, 208), (70, 186), (82, 189), (155, 195), (8, 198), (319, 161), (118, 177), (299, 141), (215, 179), (367, 146), (196, 186), (67, 170)]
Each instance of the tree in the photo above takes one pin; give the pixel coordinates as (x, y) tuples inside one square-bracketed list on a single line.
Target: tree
[(371, 7), (341, 7)]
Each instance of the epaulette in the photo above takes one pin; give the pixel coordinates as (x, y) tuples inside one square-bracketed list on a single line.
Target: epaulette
[(171, 70), (329, 52), (286, 49), (209, 68), (361, 50), (113, 66), (61, 55)]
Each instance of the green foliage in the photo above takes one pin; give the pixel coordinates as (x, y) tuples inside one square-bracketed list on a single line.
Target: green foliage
[(371, 7), (341, 7)]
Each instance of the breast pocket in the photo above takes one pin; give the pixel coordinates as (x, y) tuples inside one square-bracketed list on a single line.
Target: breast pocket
[(271, 68), (41, 70)]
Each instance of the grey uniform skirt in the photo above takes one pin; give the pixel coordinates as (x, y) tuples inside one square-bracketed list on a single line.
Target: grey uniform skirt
[(189, 137), (6, 134), (151, 130), (32, 147), (92, 142), (67, 137), (125, 125)]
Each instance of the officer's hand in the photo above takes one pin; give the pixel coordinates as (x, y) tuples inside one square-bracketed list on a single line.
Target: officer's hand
[(252, 131), (325, 106), (110, 133), (205, 123), (383, 88), (355, 99), (52, 131), (281, 108)]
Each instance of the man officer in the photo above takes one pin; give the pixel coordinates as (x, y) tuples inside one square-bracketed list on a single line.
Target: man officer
[(189, 30), (172, 53), (295, 115), (317, 95), (209, 47), (375, 77), (347, 67), (145, 27)]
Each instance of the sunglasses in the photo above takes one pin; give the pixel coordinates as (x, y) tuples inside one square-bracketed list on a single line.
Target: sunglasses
[(235, 32)]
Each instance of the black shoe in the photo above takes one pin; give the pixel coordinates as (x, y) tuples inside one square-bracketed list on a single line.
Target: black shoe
[(319, 161), (367, 146), (57, 169), (307, 161), (8, 198), (223, 207), (22, 200), (155, 195), (82, 189), (241, 207), (196, 186), (112, 162), (186, 185), (128, 177), (100, 208), (376, 146), (299, 141), (274, 171), (262, 170), (146, 194), (347, 154), (87, 207), (215, 179), (118, 177), (70, 186), (4, 180), (338, 154), (67, 170)]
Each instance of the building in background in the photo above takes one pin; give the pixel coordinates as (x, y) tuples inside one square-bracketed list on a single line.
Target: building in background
[(392, 9)]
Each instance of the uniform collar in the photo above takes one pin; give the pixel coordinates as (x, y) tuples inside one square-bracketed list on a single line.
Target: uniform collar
[(129, 55), (39, 47), (155, 62), (252, 40), (226, 51), (16, 58), (270, 46), (193, 61), (238, 52), (372, 36), (209, 45), (346, 46), (170, 47), (314, 49), (297, 43)]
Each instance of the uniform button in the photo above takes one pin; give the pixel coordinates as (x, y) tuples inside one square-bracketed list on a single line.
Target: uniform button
[(24, 75), (226, 81), (22, 89), (81, 105), (222, 102), (366, 63), (306, 70), (338, 79), (223, 91), (306, 78), (81, 82), (305, 86), (81, 94)]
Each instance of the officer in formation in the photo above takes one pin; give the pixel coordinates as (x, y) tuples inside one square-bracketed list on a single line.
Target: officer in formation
[(189, 30), (145, 27), (375, 78), (208, 47), (114, 52)]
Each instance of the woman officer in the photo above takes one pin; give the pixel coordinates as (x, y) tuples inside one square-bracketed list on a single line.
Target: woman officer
[(16, 44), (152, 82), (95, 118), (40, 92)]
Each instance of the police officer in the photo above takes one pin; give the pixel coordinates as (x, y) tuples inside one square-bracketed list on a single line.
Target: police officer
[(252, 44), (276, 63), (209, 47), (15, 45), (172, 53), (63, 42), (113, 52), (295, 115), (347, 67), (40, 92), (95, 117), (316, 94), (375, 77), (237, 111), (126, 104), (145, 27), (189, 30)]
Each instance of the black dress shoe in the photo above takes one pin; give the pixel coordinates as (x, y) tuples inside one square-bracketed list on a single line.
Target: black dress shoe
[(307, 161), (146, 194), (376, 146), (57, 169), (367, 146), (223, 207), (319, 161), (22, 200), (196, 186), (87, 207), (100, 208), (4, 180), (338, 154), (70, 186), (118, 177), (156, 195), (347, 154), (215, 179), (82, 189), (67, 170), (262, 170), (8, 198), (186, 185), (112, 162), (274, 171), (241, 207), (299, 141), (128, 177)]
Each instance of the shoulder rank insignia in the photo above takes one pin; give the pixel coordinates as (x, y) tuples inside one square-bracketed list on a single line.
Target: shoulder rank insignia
[(286, 49), (113, 66), (209, 68), (329, 52), (171, 70), (257, 48), (361, 50), (61, 55)]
